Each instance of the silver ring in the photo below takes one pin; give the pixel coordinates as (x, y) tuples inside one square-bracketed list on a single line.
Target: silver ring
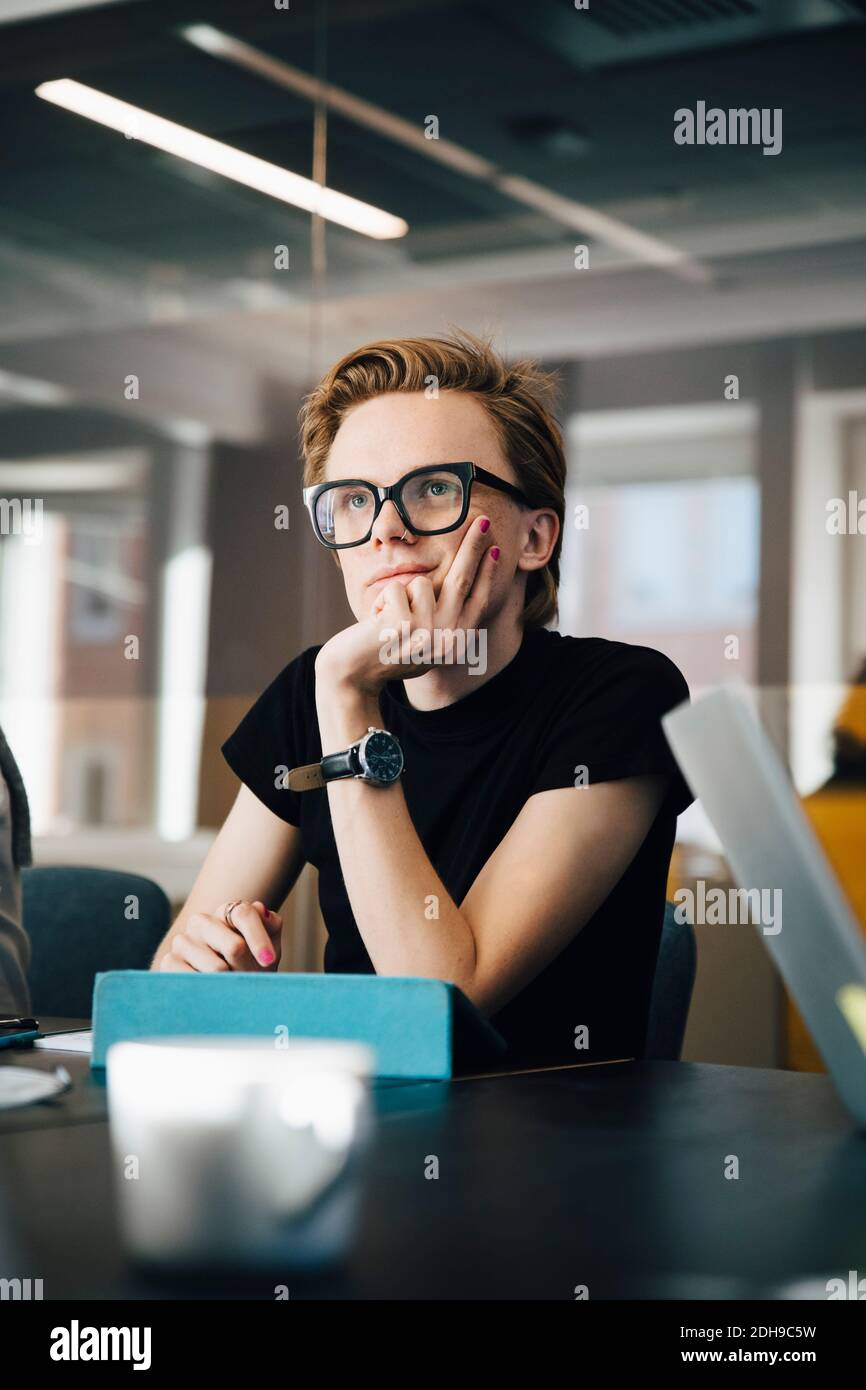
[(227, 915)]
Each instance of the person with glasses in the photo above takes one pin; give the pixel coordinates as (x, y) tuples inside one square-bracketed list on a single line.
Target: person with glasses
[(487, 800)]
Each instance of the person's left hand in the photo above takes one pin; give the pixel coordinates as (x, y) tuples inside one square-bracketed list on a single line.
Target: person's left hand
[(354, 657)]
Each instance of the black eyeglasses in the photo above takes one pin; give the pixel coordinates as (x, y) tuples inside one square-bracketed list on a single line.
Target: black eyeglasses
[(430, 502)]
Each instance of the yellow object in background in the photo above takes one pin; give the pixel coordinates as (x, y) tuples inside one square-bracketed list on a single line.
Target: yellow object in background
[(851, 721), (838, 817), (852, 1003)]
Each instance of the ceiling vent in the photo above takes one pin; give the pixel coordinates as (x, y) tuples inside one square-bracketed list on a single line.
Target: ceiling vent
[(634, 18), (617, 33)]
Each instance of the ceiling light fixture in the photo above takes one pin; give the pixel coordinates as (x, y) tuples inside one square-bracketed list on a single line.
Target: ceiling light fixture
[(137, 124)]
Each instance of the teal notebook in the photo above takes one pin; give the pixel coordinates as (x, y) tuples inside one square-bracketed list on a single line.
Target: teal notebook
[(417, 1028)]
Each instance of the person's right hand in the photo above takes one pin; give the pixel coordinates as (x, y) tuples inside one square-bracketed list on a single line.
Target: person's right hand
[(208, 942)]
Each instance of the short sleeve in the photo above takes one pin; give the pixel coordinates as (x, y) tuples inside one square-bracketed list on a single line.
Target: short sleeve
[(607, 723), (279, 732)]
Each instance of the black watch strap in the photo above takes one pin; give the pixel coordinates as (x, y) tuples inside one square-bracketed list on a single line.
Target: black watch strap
[(343, 764), (331, 767)]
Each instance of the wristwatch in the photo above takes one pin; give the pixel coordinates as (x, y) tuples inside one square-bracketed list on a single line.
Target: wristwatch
[(376, 758)]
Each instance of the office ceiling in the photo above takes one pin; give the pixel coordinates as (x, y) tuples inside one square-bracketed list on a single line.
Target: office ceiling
[(100, 235)]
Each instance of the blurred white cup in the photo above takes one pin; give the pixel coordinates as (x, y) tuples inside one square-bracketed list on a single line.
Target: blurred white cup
[(237, 1152)]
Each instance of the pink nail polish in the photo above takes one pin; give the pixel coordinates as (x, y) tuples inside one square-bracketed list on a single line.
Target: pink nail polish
[(494, 553), (266, 957), (485, 524)]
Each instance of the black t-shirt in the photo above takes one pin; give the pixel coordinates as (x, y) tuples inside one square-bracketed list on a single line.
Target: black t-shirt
[(563, 704)]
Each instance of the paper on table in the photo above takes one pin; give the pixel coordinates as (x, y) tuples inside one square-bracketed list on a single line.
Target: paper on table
[(67, 1042)]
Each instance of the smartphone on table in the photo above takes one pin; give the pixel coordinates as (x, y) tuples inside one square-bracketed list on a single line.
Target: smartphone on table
[(18, 1032)]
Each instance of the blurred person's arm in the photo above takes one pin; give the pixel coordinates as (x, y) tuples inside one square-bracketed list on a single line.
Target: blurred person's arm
[(254, 861), (14, 942)]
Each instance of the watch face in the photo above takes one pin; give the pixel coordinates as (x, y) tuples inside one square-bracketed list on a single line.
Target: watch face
[(382, 758)]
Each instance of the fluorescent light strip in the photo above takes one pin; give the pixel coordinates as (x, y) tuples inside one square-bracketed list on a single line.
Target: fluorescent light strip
[(568, 212), (138, 124), (33, 390)]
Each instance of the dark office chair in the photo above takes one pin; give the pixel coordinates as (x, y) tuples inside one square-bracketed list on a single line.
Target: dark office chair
[(81, 921), (672, 989)]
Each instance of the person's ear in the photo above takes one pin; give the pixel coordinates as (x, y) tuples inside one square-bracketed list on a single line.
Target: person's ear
[(540, 540)]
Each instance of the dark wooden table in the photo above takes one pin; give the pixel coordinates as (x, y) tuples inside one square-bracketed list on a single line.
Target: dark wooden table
[(611, 1177)]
